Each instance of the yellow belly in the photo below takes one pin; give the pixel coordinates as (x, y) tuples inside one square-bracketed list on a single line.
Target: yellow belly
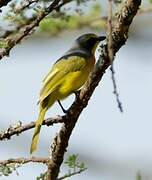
[(72, 82)]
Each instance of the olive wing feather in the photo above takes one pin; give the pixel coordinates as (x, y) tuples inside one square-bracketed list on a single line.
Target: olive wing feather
[(56, 75)]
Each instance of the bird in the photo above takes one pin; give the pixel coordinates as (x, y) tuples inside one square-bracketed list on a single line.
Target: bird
[(67, 75)]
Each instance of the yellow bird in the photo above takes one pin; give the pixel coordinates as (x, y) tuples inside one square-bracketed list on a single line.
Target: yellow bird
[(67, 75)]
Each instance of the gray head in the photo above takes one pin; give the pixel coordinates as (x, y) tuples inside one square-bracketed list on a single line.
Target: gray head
[(89, 41)]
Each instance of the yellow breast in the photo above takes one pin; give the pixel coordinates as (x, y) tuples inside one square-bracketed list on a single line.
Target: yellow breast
[(75, 80)]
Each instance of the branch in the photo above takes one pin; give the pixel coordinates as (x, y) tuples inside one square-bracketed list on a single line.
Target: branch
[(25, 160), (27, 4), (111, 57), (119, 37), (4, 2), (72, 174), (110, 48), (115, 88), (27, 29), (19, 128)]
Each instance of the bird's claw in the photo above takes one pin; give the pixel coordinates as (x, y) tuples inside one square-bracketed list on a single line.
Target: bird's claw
[(64, 110), (77, 93)]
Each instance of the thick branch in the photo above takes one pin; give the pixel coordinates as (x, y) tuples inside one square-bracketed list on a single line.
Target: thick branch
[(119, 37), (19, 128)]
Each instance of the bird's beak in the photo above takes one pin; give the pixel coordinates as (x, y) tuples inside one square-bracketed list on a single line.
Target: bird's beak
[(101, 38)]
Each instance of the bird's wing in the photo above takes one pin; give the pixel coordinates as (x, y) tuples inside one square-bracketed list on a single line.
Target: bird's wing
[(56, 75)]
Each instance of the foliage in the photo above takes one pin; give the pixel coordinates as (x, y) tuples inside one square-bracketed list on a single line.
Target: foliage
[(92, 20), (6, 170), (74, 165)]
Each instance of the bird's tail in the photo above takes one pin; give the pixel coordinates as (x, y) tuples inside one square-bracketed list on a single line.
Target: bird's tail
[(37, 130)]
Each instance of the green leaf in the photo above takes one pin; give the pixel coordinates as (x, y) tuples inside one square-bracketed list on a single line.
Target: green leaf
[(42, 176), (6, 170)]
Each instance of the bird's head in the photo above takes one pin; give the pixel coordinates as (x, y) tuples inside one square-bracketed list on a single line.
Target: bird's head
[(89, 41)]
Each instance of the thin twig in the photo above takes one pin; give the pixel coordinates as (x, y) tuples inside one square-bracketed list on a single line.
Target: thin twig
[(27, 4), (25, 160), (111, 56), (72, 174), (115, 88)]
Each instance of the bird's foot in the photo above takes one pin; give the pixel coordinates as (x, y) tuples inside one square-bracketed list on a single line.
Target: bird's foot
[(64, 110), (77, 93)]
